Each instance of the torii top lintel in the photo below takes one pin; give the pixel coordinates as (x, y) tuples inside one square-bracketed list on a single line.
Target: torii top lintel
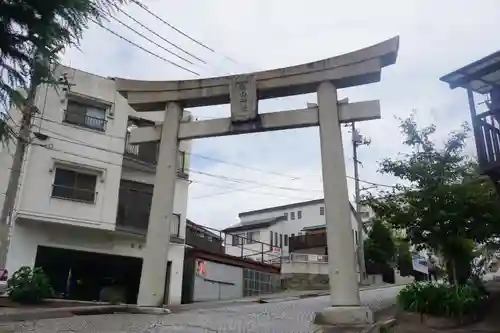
[(347, 70)]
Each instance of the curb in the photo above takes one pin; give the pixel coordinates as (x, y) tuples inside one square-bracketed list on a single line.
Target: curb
[(36, 314)]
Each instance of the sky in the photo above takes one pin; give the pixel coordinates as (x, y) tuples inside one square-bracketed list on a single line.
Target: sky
[(246, 172)]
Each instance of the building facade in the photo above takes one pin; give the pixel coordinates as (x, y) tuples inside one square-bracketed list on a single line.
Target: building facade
[(264, 234), (83, 204)]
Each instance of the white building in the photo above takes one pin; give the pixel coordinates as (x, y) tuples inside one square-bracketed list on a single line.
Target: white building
[(264, 233), (84, 198)]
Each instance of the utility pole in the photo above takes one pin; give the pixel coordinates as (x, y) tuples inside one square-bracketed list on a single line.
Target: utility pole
[(358, 140), (28, 109)]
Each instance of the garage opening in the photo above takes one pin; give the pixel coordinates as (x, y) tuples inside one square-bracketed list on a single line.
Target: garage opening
[(89, 276)]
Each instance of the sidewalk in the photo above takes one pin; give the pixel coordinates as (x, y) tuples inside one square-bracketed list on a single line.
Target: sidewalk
[(271, 298)]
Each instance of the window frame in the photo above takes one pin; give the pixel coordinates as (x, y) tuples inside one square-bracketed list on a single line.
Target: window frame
[(322, 210), (74, 187), (239, 237), (86, 103), (292, 216), (251, 239), (299, 215)]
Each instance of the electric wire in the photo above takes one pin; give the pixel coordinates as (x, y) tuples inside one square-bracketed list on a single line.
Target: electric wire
[(161, 37), (144, 49), (151, 41), (143, 7)]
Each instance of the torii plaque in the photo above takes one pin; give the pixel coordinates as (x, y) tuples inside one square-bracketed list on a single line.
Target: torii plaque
[(243, 92)]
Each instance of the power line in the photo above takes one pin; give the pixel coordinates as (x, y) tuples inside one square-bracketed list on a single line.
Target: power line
[(143, 7), (144, 49), (248, 191), (243, 166), (151, 41), (83, 143), (160, 36), (246, 181)]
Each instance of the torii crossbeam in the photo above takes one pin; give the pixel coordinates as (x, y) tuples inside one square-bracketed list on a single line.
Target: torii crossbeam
[(243, 92)]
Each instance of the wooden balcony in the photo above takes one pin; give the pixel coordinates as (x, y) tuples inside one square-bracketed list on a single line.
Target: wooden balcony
[(487, 136), (308, 241)]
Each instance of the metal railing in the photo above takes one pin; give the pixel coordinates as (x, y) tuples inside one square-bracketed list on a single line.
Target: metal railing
[(148, 152), (306, 258), (74, 194), (133, 212), (81, 119)]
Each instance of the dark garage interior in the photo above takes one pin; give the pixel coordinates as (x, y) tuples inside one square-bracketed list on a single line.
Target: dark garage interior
[(80, 275)]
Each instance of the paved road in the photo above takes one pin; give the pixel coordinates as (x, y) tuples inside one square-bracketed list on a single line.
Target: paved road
[(287, 317)]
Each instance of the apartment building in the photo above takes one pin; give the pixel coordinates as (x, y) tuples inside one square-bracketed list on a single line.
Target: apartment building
[(265, 234), (83, 203)]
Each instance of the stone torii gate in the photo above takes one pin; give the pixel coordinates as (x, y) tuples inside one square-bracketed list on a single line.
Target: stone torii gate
[(243, 92)]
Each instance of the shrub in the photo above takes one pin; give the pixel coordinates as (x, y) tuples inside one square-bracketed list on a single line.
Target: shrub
[(442, 300), (29, 286)]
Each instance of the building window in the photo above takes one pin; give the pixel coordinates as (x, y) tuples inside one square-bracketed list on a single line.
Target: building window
[(271, 238), (237, 239), (252, 237), (286, 216), (74, 185), (276, 239), (299, 214), (286, 240), (356, 237), (292, 215), (281, 240), (321, 210), (85, 115)]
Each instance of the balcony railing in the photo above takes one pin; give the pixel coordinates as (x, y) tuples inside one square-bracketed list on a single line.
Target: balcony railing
[(487, 135), (307, 241), (133, 212), (304, 257), (81, 119), (145, 152), (148, 152), (200, 241), (73, 193)]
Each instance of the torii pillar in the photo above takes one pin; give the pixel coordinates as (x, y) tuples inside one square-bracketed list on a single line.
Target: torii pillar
[(242, 92)]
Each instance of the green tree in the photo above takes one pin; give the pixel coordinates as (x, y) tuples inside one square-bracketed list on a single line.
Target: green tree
[(403, 257), (32, 35), (379, 248), (445, 205)]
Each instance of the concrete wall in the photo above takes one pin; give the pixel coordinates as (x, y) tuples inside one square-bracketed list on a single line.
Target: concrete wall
[(314, 275), (27, 236), (220, 282)]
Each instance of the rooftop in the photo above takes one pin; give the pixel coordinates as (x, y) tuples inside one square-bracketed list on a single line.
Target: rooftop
[(479, 75), (289, 206), (256, 224)]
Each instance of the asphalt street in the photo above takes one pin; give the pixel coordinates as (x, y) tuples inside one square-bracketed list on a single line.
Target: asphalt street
[(285, 316)]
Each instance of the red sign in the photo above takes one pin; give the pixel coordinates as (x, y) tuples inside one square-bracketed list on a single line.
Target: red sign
[(200, 267)]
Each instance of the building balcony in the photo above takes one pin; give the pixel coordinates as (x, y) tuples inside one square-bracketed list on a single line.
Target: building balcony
[(146, 155), (84, 120), (134, 207), (307, 242), (200, 241), (487, 136)]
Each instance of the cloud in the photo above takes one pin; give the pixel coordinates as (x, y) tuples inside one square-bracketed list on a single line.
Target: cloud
[(436, 38)]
